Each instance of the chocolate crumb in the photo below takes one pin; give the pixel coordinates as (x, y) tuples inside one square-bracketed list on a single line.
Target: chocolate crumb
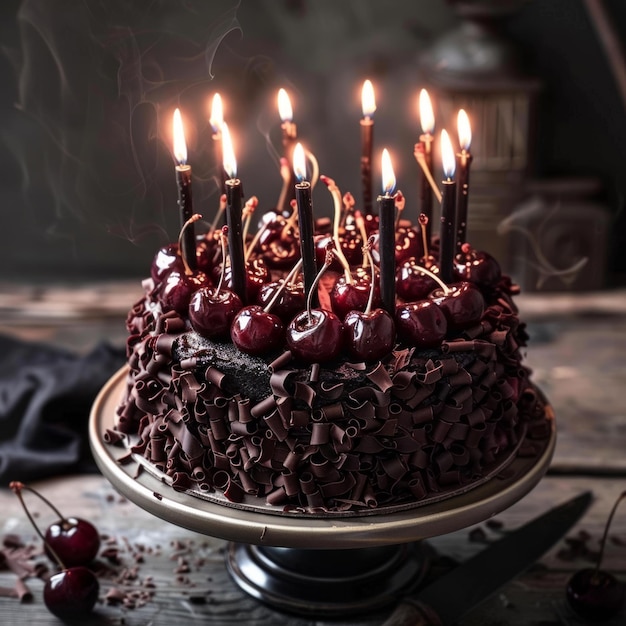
[(158, 496)]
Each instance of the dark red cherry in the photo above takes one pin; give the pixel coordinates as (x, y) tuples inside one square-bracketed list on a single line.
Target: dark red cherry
[(165, 260), (278, 243), (595, 595), (346, 297), (422, 324), (322, 242), (75, 541), (257, 274), (211, 312), (463, 306), (317, 338), (290, 302), (208, 253), (71, 593), (371, 223), (177, 288), (412, 284), (408, 244), (256, 332), (478, 267), (369, 336)]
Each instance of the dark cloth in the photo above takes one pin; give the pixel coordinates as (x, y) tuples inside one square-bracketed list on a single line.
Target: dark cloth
[(46, 395)]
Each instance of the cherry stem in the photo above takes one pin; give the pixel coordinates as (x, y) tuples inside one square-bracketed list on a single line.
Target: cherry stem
[(294, 271), (421, 160), (606, 531), (368, 254), (400, 204), (309, 298), (348, 205), (248, 209), (220, 211), (223, 246), (360, 224), (423, 221), (194, 218), (336, 194), (17, 488), (444, 287)]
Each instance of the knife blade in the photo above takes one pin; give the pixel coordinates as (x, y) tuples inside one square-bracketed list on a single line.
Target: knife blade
[(452, 595)]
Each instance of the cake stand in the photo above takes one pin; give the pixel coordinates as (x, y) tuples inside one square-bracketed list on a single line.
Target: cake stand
[(322, 566)]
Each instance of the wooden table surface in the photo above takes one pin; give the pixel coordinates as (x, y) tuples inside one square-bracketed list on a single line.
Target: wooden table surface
[(578, 356)]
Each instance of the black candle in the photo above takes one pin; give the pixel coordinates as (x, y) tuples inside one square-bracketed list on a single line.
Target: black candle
[(368, 105), (290, 138), (447, 243), (185, 199), (387, 236), (427, 122), (233, 218), (216, 120), (305, 220), (464, 160)]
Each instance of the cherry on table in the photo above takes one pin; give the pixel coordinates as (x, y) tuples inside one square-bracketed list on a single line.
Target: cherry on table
[(76, 541), (71, 593), (594, 593)]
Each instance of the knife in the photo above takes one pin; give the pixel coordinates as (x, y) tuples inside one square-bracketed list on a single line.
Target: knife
[(450, 597)]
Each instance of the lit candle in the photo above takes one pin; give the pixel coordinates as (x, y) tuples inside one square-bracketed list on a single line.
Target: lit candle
[(427, 122), (305, 219), (185, 200), (368, 105), (387, 236), (233, 217), (447, 242), (464, 160), (290, 137), (216, 120)]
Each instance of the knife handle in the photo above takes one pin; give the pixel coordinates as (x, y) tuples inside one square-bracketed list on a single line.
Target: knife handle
[(413, 613)]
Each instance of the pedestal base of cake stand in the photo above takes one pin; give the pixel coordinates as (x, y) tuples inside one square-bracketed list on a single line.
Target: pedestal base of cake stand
[(322, 566)]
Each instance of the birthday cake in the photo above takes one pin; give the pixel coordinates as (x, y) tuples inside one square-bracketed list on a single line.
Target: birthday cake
[(330, 407)]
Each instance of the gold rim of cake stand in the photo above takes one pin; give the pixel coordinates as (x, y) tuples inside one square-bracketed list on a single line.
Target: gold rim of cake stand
[(216, 520)]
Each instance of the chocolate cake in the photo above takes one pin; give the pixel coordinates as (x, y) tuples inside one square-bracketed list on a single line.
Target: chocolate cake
[(362, 421)]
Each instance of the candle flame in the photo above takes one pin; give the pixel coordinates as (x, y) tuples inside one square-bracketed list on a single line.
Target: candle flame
[(217, 113), (180, 145), (299, 162), (464, 129), (447, 156), (427, 117), (230, 163), (284, 106), (389, 178), (368, 100)]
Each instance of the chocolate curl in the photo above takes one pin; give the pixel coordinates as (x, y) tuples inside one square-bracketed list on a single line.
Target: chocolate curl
[(314, 373), (394, 467), (339, 487), (323, 469), (476, 434), (422, 392), (243, 429), (462, 378), (380, 377), (276, 497), (189, 387), (320, 433), (163, 345), (423, 415), (369, 499), (304, 393), (330, 391), (440, 431), (458, 431), (189, 363), (181, 481), (232, 491), (432, 374), (114, 437), (275, 425), (174, 325), (262, 408), (403, 387), (244, 414), (416, 487), (298, 418), (420, 459), (214, 376), (249, 486)]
